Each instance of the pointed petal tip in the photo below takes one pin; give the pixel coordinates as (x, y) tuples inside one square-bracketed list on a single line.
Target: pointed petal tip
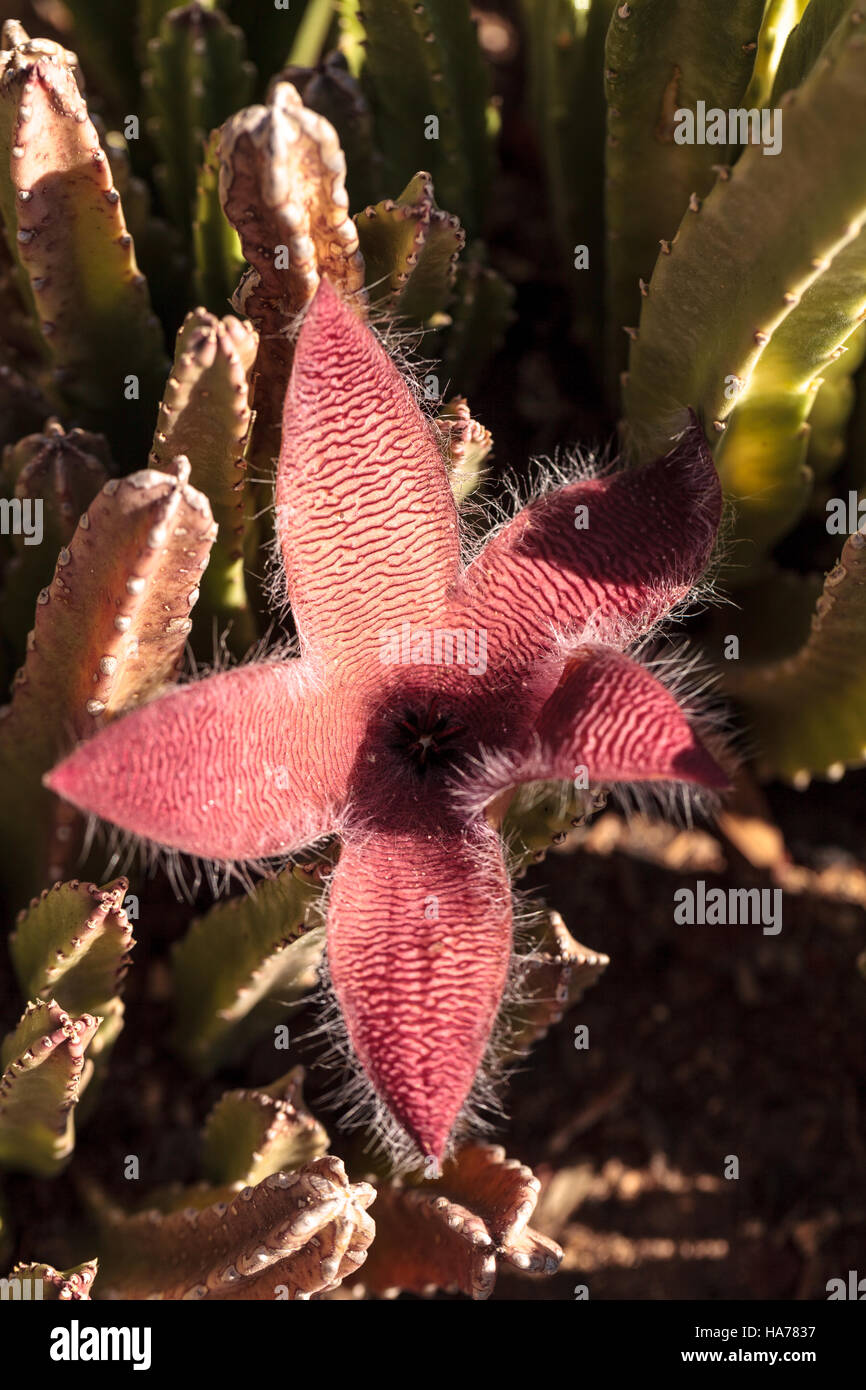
[(697, 766), (71, 780), (419, 994), (432, 1139), (326, 293), (327, 305), (60, 778), (690, 453), (330, 323)]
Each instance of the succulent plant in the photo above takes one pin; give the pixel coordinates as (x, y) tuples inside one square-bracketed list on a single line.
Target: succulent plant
[(136, 563), (44, 1071), (290, 1236), (253, 277), (382, 736), (765, 346), (455, 1232)]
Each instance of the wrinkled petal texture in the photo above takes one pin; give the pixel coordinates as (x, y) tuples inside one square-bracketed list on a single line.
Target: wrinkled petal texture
[(244, 765), (262, 760), (419, 941), (613, 717), (365, 515), (608, 719), (642, 542)]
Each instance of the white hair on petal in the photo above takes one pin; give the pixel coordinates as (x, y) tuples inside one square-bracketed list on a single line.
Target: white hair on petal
[(693, 683), (505, 1053), (357, 1103), (350, 1094), (483, 520), (685, 673), (350, 1088), (360, 1104), (187, 872)]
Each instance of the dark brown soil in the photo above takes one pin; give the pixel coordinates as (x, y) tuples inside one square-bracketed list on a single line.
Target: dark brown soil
[(707, 1042)]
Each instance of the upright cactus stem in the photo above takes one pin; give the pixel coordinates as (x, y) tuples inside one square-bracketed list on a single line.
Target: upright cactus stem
[(73, 945), (43, 1073), (151, 14), (565, 54), (135, 596), (751, 362), (480, 311), (428, 86), (270, 35), (22, 347), (282, 187), (160, 246), (197, 74), (110, 631), (205, 416), (833, 406), (57, 475), (217, 255), (63, 219), (659, 58), (807, 707), (108, 45), (762, 455)]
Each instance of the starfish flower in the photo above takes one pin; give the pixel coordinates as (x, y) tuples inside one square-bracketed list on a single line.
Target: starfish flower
[(423, 691)]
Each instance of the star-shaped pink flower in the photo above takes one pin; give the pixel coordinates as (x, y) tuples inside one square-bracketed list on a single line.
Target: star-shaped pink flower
[(424, 689)]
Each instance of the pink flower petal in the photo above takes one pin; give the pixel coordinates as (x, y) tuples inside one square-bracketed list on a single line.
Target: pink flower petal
[(644, 539), (365, 516), (419, 940), (611, 718), (244, 765)]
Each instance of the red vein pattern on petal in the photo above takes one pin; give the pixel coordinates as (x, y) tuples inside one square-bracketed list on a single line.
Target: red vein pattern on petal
[(243, 765), (645, 538), (419, 941), (365, 515), (613, 717)]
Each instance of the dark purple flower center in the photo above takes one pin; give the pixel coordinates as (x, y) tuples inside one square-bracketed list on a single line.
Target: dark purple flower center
[(428, 734)]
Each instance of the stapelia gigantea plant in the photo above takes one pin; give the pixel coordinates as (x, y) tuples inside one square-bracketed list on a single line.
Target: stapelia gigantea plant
[(134, 219), (401, 761), (131, 552)]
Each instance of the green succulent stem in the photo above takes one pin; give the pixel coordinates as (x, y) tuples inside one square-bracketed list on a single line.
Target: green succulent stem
[(662, 57), (806, 707), (313, 30), (746, 342), (428, 87)]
